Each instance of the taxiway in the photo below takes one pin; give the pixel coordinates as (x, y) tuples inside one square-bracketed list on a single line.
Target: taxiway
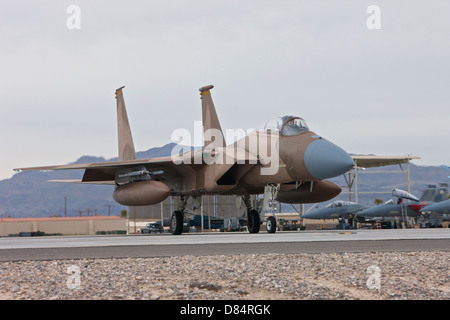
[(125, 246)]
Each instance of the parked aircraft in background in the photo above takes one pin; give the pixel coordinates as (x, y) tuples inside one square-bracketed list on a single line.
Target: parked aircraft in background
[(335, 210), (438, 207), (434, 214), (402, 209)]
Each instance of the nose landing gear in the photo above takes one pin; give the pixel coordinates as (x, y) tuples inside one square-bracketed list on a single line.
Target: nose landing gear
[(269, 205)]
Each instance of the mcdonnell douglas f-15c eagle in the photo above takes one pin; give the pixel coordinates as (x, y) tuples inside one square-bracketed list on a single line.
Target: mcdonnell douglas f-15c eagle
[(294, 171)]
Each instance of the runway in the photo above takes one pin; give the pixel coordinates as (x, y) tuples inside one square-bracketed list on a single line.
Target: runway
[(127, 246)]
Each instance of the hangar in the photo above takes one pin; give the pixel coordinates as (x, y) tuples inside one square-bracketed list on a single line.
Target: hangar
[(61, 225), (371, 161)]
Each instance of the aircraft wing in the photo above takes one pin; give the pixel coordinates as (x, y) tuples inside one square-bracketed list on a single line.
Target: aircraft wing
[(164, 167), (105, 172), (81, 181)]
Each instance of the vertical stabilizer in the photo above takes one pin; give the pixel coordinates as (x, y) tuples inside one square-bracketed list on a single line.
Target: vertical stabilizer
[(428, 193), (126, 146), (441, 192), (211, 125)]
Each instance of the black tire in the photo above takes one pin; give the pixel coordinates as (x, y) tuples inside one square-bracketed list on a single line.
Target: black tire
[(271, 224), (177, 222), (254, 222)]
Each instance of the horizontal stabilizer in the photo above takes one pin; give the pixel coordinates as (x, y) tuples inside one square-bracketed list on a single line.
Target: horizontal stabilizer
[(81, 182)]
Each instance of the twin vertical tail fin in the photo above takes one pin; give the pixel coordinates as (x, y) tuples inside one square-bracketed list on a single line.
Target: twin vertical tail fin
[(126, 145), (213, 135), (441, 192), (428, 193), (433, 194)]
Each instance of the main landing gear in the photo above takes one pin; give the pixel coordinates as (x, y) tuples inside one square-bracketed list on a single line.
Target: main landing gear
[(176, 222), (177, 219), (269, 205), (254, 219)]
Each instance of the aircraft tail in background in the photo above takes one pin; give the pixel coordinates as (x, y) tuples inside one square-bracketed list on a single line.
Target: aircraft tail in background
[(428, 194), (441, 192)]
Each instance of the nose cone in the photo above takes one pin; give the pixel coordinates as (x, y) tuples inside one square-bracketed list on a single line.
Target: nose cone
[(325, 160), (316, 214)]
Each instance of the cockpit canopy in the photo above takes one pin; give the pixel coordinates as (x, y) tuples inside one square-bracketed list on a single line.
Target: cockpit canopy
[(287, 125), (340, 203)]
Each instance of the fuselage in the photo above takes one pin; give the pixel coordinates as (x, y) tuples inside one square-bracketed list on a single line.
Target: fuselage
[(262, 158)]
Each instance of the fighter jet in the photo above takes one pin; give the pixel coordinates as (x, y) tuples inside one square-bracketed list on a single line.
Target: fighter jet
[(335, 210), (286, 157), (439, 207), (434, 214), (401, 209)]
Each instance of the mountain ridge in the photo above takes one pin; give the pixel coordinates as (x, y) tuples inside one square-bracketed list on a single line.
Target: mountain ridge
[(29, 194)]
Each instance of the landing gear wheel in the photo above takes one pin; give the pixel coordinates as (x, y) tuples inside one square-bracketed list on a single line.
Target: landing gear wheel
[(176, 223), (254, 221), (271, 224)]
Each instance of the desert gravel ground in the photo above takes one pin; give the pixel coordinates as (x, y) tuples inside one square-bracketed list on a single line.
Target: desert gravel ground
[(337, 276)]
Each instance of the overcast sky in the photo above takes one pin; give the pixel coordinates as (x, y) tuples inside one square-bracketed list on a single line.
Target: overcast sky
[(378, 91)]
